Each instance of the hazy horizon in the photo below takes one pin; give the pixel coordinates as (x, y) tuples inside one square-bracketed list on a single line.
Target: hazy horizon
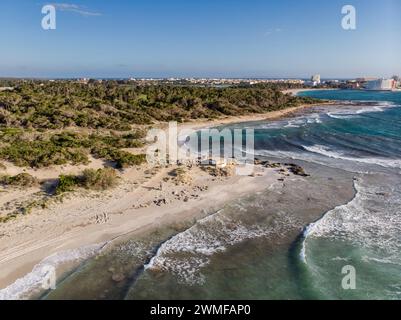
[(224, 39), (168, 77)]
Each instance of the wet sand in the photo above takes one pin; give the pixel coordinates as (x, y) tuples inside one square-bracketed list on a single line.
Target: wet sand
[(282, 210), (87, 219)]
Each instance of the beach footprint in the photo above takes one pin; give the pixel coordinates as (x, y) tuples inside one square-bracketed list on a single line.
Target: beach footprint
[(101, 218)]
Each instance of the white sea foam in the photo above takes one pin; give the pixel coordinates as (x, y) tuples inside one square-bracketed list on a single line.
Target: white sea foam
[(305, 235), (378, 260), (340, 115), (370, 109), (340, 259), (294, 123), (314, 118), (351, 112), (297, 122), (188, 252), (371, 220), (32, 282)]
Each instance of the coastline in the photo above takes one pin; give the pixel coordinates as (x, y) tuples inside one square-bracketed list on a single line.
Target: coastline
[(294, 92), (269, 116), (59, 233), (303, 200), (85, 220)]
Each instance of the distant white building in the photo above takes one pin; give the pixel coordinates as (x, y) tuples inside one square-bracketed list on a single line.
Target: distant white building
[(316, 78), (381, 85), (314, 81)]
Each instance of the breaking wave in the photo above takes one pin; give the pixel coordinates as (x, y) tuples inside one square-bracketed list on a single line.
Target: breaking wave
[(327, 152), (24, 287), (371, 220), (187, 253)]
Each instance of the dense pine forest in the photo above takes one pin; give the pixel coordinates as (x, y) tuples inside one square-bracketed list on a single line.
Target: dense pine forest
[(56, 122)]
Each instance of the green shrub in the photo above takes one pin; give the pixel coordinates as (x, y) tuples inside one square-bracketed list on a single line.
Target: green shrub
[(11, 132), (117, 105), (67, 140), (101, 179), (111, 108), (20, 180), (125, 141), (66, 183), (41, 153), (123, 159), (138, 134), (77, 156)]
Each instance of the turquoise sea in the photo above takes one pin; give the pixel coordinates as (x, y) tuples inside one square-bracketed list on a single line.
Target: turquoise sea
[(242, 251), (366, 232), (291, 241)]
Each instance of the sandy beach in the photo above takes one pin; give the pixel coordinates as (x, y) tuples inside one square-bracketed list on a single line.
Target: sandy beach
[(296, 91), (164, 153), (146, 197), (269, 116)]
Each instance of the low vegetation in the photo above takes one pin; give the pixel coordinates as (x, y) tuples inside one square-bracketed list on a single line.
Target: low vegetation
[(118, 105), (227, 171), (44, 123), (181, 176), (99, 180), (20, 180), (36, 149), (25, 209), (122, 159), (66, 183)]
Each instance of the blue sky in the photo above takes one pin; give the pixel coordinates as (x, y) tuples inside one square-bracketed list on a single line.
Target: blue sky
[(214, 38)]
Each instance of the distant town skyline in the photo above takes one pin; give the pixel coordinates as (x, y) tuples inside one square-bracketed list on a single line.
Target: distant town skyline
[(222, 39)]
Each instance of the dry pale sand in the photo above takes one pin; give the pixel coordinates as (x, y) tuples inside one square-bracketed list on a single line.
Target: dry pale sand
[(296, 91), (93, 218), (146, 197), (273, 115)]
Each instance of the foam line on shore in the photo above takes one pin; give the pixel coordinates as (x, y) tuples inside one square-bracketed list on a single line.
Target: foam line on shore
[(22, 288)]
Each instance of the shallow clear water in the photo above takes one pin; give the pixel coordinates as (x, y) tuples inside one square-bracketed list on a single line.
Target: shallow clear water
[(250, 248), (363, 139), (240, 251), (365, 233)]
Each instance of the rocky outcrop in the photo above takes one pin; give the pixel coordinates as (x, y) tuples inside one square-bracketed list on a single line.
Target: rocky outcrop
[(297, 170)]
